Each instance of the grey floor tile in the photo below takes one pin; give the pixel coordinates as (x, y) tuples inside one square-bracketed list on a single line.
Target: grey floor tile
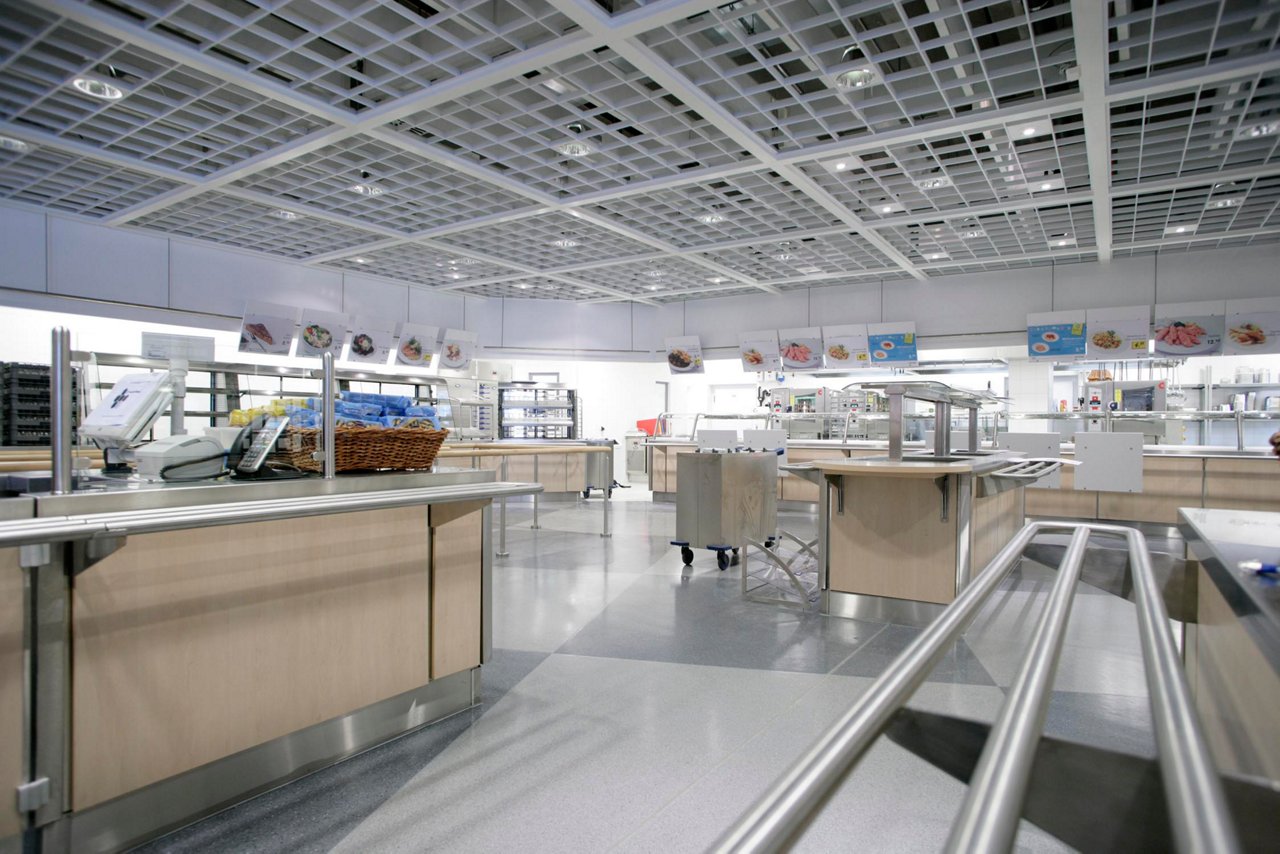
[(579, 754), (958, 664), (312, 814), (541, 609), (1115, 722), (701, 618)]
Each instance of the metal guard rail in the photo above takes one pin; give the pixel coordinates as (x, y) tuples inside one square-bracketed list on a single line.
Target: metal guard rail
[(988, 818), (25, 532)]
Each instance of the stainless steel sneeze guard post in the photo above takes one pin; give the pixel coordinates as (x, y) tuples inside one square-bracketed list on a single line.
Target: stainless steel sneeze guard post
[(60, 424), (988, 820), (330, 419)]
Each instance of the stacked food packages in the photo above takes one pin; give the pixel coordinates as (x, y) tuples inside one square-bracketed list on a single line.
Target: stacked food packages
[(363, 409)]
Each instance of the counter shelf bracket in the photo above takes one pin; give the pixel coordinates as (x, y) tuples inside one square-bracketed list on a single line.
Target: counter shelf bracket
[(88, 552), (35, 555), (942, 483)]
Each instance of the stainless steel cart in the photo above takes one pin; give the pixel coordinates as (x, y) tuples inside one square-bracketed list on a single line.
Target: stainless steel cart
[(725, 500)]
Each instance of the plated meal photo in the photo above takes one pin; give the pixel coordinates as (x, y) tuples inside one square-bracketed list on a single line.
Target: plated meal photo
[(753, 357), (1106, 340), (317, 336), (838, 352), (412, 352), (680, 359), (1181, 334), (1050, 336), (802, 353), (1248, 335), (1040, 347)]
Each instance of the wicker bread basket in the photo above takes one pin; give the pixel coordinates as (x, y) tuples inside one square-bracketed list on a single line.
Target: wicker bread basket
[(360, 448)]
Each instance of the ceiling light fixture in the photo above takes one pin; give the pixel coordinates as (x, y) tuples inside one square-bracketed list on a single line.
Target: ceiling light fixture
[(717, 280), (522, 286), (557, 86), (17, 146), (856, 78), (974, 234), (655, 287), (1031, 131), (655, 273), (935, 183), (1255, 131), (783, 252), (366, 189), (808, 270), (938, 256), (564, 242), (712, 218), (361, 260), (95, 87), (1173, 230), (1225, 202), (577, 147), (285, 215)]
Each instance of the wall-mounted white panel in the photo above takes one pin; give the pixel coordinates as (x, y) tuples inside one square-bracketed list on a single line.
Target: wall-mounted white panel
[(484, 317), (979, 302), (1125, 281), (533, 324), (644, 324), (601, 326), (443, 309), (718, 321), (23, 250), (97, 262), (1251, 271), (374, 298), (220, 281), (849, 304)]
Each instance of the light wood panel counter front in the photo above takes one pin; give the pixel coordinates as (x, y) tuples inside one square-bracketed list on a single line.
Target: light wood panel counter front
[(193, 645), (11, 763)]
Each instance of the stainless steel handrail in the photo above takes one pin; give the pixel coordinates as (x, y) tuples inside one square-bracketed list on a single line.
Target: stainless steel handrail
[(90, 526), (1197, 807)]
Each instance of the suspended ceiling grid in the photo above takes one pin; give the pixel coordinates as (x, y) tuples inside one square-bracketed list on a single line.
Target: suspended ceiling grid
[(588, 150)]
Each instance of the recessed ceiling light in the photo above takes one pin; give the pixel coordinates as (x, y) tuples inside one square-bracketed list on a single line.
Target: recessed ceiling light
[(934, 183), (783, 252), (938, 256), (96, 88), (282, 214), (557, 86), (456, 276), (577, 148), (808, 270), (717, 280), (857, 78), (655, 273), (17, 146), (712, 218), (361, 260), (564, 243), (842, 164), (1225, 202), (1044, 184), (1029, 131), (984, 103), (655, 287), (366, 189), (1172, 230), (973, 234), (1062, 240), (1258, 130)]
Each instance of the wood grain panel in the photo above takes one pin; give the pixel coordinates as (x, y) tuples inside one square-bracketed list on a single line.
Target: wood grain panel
[(551, 472), (1065, 502), (891, 541), (1237, 690), (797, 488), (575, 472), (1243, 484), (657, 469), (11, 766), (995, 520), (456, 543), (192, 645), (1167, 484)]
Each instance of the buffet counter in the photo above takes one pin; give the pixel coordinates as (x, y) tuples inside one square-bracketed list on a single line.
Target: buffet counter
[(559, 466), (1173, 476), (201, 643), (900, 538)]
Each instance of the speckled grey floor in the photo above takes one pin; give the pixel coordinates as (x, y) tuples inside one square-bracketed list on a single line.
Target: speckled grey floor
[(634, 704)]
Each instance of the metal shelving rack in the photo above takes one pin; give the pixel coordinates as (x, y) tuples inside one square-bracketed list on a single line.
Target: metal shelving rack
[(538, 411)]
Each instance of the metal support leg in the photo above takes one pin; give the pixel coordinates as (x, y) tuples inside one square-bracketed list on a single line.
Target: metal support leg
[(535, 526), (608, 488), (502, 517)]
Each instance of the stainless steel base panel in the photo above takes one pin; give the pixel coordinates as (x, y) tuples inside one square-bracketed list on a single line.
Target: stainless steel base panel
[(11, 844), (185, 798), (880, 609)]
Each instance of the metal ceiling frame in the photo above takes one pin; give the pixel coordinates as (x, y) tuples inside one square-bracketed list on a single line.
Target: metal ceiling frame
[(596, 28)]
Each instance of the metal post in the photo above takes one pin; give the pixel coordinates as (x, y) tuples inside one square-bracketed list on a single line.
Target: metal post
[(895, 426), (988, 819), (535, 526), (1239, 429), (177, 409), (609, 479), (973, 428), (329, 416), (942, 429), (502, 516), (60, 397)]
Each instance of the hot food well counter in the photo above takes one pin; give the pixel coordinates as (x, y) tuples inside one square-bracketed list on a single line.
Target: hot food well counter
[(195, 645)]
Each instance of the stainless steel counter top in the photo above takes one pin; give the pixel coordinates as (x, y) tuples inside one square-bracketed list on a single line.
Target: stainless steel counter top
[(1205, 451), (1221, 539)]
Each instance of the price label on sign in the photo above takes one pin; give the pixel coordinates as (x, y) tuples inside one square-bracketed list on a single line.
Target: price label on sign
[(864, 357), (908, 338), (1077, 329), (1138, 345)]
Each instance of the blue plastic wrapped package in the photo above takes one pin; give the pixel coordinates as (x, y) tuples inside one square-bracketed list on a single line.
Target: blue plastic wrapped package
[(382, 401), (358, 410)]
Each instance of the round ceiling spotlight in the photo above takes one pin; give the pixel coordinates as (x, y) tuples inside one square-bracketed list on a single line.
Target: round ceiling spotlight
[(856, 78), (576, 147), (96, 88), (285, 215), (17, 146)]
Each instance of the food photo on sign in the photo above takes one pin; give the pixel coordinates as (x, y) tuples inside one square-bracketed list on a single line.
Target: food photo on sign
[(371, 340), (1189, 329), (267, 329), (416, 345), (322, 332), (801, 349), (684, 354)]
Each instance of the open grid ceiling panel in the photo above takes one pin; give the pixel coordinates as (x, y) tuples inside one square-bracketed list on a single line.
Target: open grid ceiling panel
[(249, 225), (1013, 264), (531, 287), (722, 291), (1148, 38), (1039, 158), (1200, 129), (381, 184), (799, 73), (170, 115), (998, 235), (1224, 242), (645, 278), (739, 207), (68, 182), (351, 54), (626, 128), (794, 258), (421, 265), (546, 242), (841, 281), (1195, 211)]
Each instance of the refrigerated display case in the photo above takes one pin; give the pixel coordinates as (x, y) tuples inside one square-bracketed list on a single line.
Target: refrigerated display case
[(538, 411)]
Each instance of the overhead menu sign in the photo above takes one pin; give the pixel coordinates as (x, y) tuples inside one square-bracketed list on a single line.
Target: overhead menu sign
[(322, 332), (845, 346), (892, 344), (684, 354), (1253, 327), (371, 340), (267, 329), (416, 345), (801, 349), (1056, 335), (1190, 328), (759, 350), (1122, 332)]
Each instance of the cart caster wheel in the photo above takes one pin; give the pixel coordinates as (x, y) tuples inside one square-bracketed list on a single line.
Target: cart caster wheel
[(686, 555), (610, 493), (733, 561), (586, 493), (722, 560)]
